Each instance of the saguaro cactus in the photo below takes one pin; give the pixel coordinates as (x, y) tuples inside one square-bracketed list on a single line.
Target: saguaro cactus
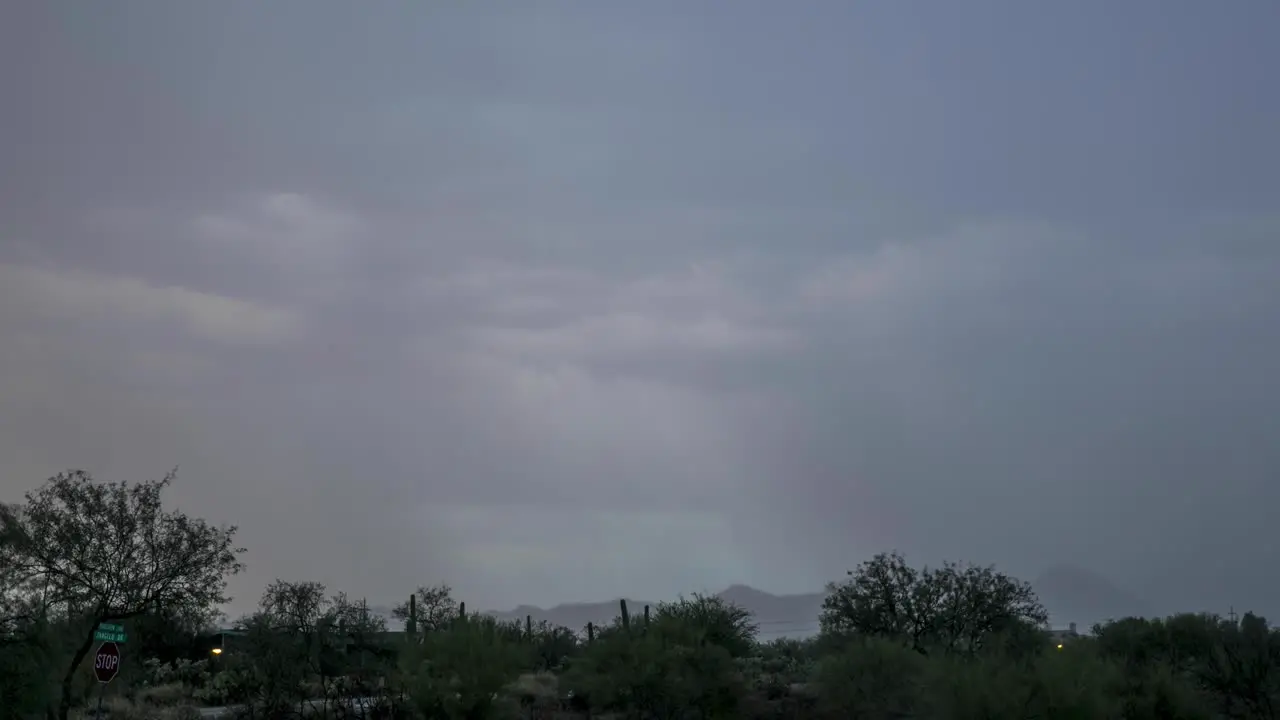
[(626, 616)]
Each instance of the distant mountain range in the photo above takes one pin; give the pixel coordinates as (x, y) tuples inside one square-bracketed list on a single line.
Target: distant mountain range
[(1071, 595), (777, 615)]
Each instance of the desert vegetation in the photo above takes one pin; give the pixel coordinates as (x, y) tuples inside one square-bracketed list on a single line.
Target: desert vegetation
[(954, 642)]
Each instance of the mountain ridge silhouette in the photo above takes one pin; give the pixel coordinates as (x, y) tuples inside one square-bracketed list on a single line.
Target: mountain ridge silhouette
[(1070, 594)]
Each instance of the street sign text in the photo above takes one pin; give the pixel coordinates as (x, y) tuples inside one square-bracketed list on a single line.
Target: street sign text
[(110, 632)]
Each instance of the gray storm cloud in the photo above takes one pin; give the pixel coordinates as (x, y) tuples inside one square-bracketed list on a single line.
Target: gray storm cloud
[(562, 304)]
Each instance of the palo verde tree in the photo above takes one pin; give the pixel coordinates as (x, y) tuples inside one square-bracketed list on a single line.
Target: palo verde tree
[(99, 552)]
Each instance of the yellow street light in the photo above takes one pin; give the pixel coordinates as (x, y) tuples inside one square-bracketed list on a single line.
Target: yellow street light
[(218, 651), (1059, 647)]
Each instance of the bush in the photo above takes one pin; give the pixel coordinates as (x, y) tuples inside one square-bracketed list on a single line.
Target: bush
[(225, 688), (29, 667), (673, 666), (462, 672), (552, 646), (536, 692), (179, 672), (869, 677)]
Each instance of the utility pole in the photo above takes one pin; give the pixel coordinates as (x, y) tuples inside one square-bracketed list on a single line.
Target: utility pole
[(1231, 614)]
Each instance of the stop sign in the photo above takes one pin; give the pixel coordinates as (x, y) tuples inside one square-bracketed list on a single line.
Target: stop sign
[(107, 662)]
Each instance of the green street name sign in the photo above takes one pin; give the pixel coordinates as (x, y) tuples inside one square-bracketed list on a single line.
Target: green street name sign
[(110, 632)]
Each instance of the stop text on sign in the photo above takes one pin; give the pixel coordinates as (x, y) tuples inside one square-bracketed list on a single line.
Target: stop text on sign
[(106, 662)]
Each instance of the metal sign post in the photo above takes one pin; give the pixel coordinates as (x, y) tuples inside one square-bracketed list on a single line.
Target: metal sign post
[(106, 665)]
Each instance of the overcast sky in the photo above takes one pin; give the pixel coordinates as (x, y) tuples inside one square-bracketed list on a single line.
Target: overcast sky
[(569, 300)]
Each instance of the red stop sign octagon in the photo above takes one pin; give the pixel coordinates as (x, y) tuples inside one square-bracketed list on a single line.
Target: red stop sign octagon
[(107, 662)]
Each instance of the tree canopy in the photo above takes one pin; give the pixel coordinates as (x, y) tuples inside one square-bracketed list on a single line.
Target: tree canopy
[(94, 552), (956, 608)]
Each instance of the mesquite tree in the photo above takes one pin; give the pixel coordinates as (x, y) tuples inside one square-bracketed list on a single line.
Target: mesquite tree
[(956, 608), (109, 551)]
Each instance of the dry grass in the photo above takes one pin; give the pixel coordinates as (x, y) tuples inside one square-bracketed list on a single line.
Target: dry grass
[(165, 695), (181, 712), (118, 708)]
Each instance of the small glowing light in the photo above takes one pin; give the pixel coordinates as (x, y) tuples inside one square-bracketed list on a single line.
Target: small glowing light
[(218, 651), (1059, 646)]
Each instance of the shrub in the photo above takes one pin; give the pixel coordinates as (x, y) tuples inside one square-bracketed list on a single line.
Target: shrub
[(462, 672), (869, 677), (673, 667)]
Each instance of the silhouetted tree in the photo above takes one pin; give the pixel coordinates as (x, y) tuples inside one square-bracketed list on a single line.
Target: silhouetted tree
[(436, 608), (109, 551), (956, 607)]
